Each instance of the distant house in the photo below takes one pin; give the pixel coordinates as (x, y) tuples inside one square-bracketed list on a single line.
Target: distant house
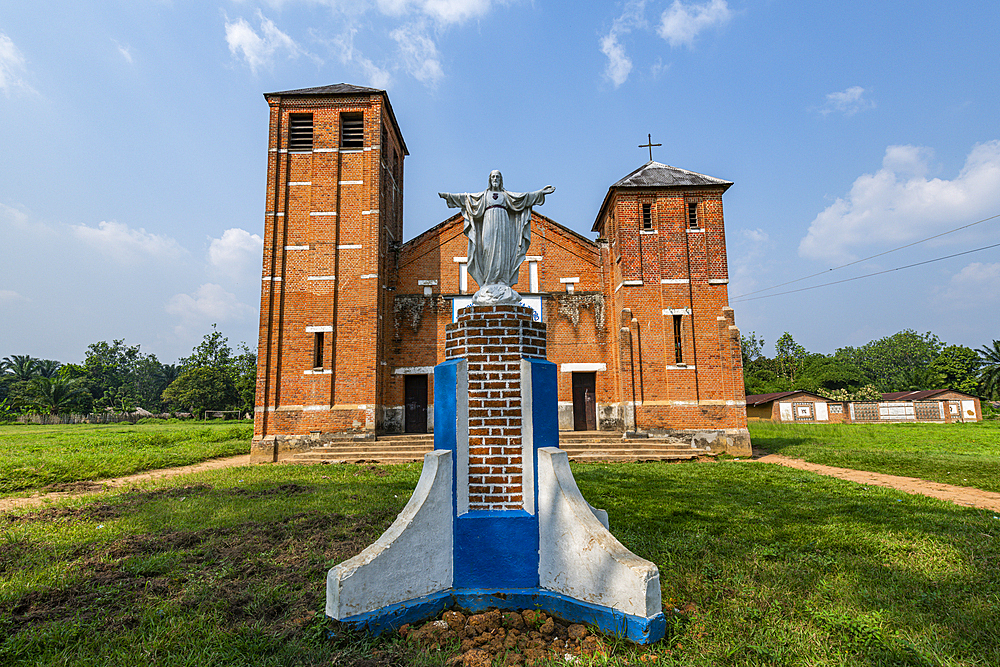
[(794, 406), (943, 406)]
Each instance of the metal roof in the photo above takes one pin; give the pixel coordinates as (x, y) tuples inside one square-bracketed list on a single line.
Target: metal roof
[(758, 399), (332, 89), (337, 89), (920, 395), (656, 175)]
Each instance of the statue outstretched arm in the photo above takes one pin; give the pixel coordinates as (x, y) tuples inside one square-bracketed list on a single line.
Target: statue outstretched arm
[(453, 200)]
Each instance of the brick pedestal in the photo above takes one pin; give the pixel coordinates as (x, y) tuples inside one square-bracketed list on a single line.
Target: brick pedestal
[(493, 340)]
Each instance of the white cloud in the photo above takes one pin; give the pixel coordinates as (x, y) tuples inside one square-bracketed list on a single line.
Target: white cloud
[(125, 50), (235, 254), (681, 23), (8, 296), (442, 11), (12, 65), (127, 245), (210, 303), (420, 55), (259, 50), (375, 76), (977, 285), (847, 102), (619, 64), (899, 203)]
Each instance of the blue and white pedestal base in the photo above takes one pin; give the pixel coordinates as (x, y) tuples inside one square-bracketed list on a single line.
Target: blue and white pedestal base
[(554, 554)]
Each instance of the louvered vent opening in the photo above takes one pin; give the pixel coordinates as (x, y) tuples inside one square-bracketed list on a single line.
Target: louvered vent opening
[(300, 132), (647, 217), (352, 131), (693, 215)]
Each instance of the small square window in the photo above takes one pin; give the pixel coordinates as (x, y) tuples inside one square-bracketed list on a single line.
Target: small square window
[(352, 131), (300, 132), (693, 215)]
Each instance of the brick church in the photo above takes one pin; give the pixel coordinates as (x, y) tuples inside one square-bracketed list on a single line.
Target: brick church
[(352, 319)]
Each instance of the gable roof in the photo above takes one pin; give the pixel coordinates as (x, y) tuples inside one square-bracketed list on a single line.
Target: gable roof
[(457, 217), (340, 90), (759, 399), (658, 175), (920, 395)]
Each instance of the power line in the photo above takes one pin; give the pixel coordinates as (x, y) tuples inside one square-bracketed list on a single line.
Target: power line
[(865, 259), (867, 275)]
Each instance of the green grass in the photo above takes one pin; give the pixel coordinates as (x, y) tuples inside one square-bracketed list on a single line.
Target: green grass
[(40, 456), (759, 565), (959, 454)]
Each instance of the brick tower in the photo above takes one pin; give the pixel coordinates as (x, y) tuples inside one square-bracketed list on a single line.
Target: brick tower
[(677, 350), (332, 222)]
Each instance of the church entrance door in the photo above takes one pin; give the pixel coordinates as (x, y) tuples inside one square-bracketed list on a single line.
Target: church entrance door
[(415, 400), (584, 401)]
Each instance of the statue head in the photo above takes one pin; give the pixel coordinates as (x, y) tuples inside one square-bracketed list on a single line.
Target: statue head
[(496, 180)]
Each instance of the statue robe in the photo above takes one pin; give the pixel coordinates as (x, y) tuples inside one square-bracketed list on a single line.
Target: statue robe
[(498, 224)]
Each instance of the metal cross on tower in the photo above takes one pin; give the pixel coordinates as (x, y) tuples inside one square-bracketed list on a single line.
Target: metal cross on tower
[(649, 144)]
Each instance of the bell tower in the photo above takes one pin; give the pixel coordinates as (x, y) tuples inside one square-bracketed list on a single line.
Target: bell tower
[(332, 223)]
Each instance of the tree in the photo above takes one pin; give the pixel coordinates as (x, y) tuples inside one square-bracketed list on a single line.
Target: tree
[(820, 372), (790, 356), (957, 367), (751, 347), (47, 368), (896, 362), (56, 394), (111, 369), (201, 389), (989, 370), (22, 367)]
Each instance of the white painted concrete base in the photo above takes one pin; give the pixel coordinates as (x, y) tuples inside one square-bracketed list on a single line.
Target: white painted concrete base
[(411, 559), (578, 557)]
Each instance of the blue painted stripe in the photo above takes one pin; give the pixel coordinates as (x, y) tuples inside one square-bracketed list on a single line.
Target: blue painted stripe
[(611, 621), (496, 549)]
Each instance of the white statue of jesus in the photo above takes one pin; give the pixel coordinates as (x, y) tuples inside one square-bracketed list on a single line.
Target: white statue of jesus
[(498, 224)]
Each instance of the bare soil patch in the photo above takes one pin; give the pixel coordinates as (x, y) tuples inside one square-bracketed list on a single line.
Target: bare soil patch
[(960, 495), (76, 489)]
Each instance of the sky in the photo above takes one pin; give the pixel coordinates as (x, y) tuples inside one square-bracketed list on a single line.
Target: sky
[(134, 147)]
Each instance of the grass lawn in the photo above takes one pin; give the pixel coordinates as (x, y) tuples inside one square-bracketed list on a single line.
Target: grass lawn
[(764, 565), (40, 456), (959, 454)]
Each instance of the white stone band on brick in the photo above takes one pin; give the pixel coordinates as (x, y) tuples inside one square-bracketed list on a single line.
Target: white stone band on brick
[(368, 275), (321, 277), (316, 408), (296, 247), (676, 311), (695, 231), (460, 260), (316, 213), (315, 372), (582, 368), (414, 370), (569, 280), (718, 281), (271, 278), (352, 150), (533, 258), (648, 231), (319, 329), (631, 282), (674, 281), (427, 282), (351, 182), (324, 150), (349, 246), (300, 183), (680, 367)]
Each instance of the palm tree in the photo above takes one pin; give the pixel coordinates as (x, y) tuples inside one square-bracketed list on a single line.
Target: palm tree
[(989, 372), (56, 393), (47, 368), (21, 366)]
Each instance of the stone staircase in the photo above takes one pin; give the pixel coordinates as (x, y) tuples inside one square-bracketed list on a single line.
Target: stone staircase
[(587, 446)]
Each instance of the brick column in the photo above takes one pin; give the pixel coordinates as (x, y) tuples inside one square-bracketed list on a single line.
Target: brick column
[(493, 340)]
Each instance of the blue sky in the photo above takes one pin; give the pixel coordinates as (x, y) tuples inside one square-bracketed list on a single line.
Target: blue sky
[(134, 141)]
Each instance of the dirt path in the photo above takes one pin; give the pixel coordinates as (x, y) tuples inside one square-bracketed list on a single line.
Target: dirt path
[(960, 495), (77, 489)]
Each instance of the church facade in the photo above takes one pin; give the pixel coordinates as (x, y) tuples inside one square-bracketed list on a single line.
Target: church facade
[(353, 319)]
